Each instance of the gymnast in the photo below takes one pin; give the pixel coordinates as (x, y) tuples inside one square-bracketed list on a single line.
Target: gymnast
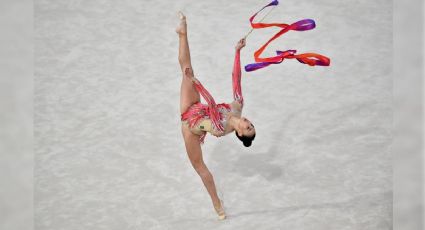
[(217, 119), (220, 119)]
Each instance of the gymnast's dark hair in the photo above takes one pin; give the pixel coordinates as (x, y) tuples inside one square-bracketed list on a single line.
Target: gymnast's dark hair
[(247, 141)]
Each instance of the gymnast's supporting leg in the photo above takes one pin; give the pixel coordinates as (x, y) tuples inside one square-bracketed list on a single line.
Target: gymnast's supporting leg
[(188, 96), (194, 151)]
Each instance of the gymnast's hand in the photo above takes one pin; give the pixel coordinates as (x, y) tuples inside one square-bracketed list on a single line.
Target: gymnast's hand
[(241, 44)]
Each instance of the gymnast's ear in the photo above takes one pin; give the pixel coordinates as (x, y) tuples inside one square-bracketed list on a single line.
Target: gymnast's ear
[(238, 134)]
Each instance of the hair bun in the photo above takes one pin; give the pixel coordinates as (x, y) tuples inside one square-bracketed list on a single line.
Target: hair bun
[(247, 143)]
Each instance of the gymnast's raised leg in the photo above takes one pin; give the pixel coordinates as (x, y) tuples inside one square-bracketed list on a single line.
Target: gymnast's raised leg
[(189, 96)]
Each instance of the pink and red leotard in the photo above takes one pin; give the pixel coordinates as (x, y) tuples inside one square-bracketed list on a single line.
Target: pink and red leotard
[(216, 113)]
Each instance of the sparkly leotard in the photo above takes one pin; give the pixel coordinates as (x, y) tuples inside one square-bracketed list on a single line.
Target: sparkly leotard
[(211, 117)]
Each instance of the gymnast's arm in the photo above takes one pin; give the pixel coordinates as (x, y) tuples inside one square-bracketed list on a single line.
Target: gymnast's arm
[(236, 74)]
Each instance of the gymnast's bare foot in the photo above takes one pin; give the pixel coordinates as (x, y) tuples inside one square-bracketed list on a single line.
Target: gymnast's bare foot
[(181, 28)]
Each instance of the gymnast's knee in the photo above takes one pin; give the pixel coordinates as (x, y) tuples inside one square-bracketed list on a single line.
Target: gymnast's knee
[(187, 71)]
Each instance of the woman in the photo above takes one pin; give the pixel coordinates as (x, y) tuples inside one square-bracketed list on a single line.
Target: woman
[(217, 119)]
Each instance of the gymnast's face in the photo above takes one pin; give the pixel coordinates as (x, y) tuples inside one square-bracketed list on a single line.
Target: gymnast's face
[(246, 127)]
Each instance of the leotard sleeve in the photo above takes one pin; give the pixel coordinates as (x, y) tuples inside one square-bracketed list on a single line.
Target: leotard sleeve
[(213, 111), (236, 79)]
